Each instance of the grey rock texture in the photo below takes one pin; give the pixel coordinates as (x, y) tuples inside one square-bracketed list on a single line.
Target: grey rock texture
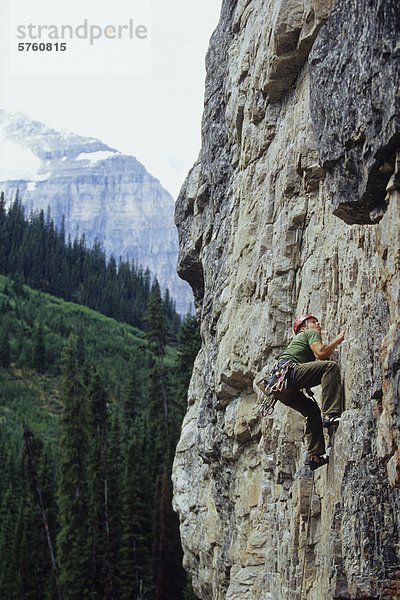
[(266, 233), (355, 105), (101, 193)]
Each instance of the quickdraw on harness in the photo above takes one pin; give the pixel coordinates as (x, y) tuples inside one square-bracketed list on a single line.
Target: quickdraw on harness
[(279, 377), (278, 381)]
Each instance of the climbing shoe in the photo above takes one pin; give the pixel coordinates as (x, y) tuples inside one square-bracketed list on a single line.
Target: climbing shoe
[(317, 460), (331, 421)]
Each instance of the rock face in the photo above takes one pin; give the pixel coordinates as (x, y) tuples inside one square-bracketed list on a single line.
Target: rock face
[(292, 207), (100, 192), (357, 61)]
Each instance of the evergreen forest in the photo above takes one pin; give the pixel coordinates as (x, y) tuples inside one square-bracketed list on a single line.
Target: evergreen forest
[(35, 252), (94, 370)]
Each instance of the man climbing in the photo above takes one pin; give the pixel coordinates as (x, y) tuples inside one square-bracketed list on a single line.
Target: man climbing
[(308, 355)]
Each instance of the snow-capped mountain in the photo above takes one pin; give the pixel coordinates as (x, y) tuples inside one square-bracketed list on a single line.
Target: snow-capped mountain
[(100, 192)]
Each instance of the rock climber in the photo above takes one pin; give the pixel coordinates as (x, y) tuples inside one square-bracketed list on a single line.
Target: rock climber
[(309, 367)]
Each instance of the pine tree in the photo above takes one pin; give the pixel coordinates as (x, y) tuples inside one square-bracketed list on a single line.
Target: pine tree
[(156, 330), (135, 571), (132, 401), (10, 509), (189, 342), (37, 254), (72, 540), (170, 578), (156, 335), (16, 225), (167, 552), (5, 349), (98, 477), (115, 476), (39, 349), (45, 559)]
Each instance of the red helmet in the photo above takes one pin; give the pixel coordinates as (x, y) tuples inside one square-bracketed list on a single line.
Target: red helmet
[(300, 320)]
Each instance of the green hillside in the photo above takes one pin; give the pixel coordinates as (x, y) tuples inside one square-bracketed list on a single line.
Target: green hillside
[(90, 412), (34, 252), (109, 344)]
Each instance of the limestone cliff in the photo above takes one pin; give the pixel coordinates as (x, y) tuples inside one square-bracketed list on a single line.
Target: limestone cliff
[(293, 206)]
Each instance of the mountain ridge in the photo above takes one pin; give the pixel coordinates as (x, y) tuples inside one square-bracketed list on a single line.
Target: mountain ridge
[(100, 192)]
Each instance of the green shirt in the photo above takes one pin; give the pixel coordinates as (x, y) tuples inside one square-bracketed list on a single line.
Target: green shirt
[(299, 348)]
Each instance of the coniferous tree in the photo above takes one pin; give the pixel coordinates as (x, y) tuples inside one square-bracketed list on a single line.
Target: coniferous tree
[(80, 350), (172, 317), (117, 535), (39, 349), (159, 447), (42, 547), (156, 335), (167, 553), (72, 540), (115, 475), (135, 569), (102, 568), (132, 400), (36, 252), (16, 225), (5, 349), (189, 342), (11, 498), (156, 329), (145, 295), (170, 578)]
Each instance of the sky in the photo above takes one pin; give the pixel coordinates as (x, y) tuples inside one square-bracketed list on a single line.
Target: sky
[(137, 84)]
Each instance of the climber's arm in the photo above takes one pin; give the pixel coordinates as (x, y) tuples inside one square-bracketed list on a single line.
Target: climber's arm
[(323, 351)]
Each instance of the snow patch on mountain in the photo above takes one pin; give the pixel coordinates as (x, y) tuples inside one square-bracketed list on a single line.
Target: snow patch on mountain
[(96, 156), (17, 162)]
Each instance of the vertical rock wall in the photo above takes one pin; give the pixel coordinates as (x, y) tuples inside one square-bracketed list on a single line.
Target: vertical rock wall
[(293, 206)]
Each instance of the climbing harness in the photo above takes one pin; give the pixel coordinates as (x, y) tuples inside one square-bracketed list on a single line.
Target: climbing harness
[(280, 377), (279, 380), (307, 536)]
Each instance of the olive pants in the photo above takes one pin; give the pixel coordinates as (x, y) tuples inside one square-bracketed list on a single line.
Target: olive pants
[(307, 375)]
